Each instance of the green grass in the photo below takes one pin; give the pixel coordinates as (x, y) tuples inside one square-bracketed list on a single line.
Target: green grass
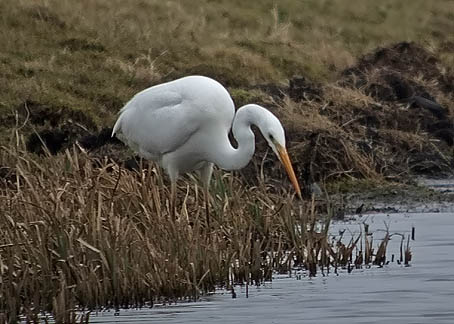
[(94, 55)]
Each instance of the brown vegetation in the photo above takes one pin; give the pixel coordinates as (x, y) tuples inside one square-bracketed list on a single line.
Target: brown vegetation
[(78, 233)]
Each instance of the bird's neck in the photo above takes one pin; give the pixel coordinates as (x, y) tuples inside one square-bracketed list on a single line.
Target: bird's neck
[(231, 158)]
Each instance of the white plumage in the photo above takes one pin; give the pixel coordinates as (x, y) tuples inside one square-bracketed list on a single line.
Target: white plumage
[(184, 126)]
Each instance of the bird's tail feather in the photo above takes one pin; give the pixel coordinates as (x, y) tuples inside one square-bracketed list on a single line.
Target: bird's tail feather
[(117, 125)]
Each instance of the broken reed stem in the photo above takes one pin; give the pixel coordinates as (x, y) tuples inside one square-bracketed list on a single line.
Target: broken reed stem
[(408, 253)]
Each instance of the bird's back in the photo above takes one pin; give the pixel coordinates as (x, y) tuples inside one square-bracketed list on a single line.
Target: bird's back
[(160, 119)]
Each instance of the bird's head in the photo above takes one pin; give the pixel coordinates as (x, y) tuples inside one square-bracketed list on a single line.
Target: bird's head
[(274, 134)]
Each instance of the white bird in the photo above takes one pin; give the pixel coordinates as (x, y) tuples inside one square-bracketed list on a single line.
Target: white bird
[(184, 125)]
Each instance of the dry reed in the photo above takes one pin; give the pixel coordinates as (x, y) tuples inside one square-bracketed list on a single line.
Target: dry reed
[(79, 233)]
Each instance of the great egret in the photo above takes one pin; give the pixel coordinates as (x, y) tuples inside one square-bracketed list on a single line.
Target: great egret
[(184, 125)]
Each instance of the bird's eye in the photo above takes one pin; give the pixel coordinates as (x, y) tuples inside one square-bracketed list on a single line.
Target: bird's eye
[(271, 137)]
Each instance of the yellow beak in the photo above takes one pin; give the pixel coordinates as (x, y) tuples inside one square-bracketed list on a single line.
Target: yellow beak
[(285, 159)]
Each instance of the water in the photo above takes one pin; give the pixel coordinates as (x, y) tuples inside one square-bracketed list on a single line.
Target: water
[(421, 293), (443, 185)]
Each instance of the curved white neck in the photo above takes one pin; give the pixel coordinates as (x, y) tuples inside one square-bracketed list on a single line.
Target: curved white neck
[(229, 158)]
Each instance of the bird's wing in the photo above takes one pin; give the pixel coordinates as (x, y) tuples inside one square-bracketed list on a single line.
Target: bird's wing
[(157, 121)]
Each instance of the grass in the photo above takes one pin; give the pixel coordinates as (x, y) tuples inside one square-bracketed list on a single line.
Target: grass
[(93, 55), (69, 67)]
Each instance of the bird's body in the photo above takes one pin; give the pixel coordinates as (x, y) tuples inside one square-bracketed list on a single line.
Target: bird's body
[(165, 123), (184, 125)]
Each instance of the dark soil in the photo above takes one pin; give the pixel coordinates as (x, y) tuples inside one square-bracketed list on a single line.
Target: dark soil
[(44, 114), (8, 177), (300, 88), (94, 141), (405, 72), (56, 128), (407, 59)]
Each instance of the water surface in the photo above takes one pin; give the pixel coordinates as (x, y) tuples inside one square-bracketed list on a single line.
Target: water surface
[(421, 293)]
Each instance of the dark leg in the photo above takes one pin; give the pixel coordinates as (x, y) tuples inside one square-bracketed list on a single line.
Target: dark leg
[(173, 199), (206, 173), (207, 204)]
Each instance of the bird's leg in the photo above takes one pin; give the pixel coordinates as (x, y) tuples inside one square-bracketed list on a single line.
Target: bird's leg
[(206, 173), (173, 199), (173, 175), (207, 204)]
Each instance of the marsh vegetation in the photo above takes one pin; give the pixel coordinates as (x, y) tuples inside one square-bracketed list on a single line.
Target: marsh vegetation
[(81, 233)]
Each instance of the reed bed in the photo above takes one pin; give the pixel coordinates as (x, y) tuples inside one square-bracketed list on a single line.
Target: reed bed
[(80, 234)]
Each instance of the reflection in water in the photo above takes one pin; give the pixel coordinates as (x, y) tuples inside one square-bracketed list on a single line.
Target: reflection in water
[(421, 293)]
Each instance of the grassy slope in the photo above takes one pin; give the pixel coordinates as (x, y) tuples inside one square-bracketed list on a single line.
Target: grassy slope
[(93, 55)]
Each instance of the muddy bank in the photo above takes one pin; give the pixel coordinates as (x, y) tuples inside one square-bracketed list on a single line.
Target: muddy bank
[(422, 195), (388, 116)]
